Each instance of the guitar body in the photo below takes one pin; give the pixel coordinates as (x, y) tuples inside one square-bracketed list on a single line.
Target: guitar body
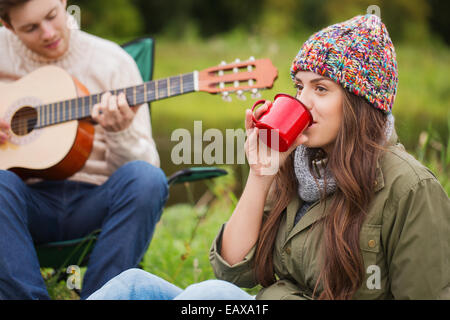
[(53, 152)]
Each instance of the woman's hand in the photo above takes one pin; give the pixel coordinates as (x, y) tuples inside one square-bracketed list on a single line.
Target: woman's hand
[(242, 230), (113, 112), (4, 131), (264, 162)]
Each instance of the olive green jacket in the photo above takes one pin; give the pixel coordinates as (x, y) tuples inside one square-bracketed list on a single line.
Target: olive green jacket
[(404, 241)]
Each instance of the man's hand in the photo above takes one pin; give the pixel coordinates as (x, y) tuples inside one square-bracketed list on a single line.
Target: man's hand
[(4, 131), (113, 112)]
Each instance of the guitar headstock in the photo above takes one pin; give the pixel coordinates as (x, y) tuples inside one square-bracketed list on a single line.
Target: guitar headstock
[(238, 77)]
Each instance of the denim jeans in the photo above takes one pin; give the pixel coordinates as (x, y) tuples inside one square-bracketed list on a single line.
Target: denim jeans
[(136, 284), (126, 208)]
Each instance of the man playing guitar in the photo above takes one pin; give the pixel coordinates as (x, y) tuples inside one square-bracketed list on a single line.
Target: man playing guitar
[(120, 189)]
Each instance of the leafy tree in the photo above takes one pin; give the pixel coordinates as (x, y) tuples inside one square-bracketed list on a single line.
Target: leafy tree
[(407, 20), (111, 18)]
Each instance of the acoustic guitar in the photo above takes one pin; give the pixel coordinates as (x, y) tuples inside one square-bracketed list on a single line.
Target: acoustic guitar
[(49, 112)]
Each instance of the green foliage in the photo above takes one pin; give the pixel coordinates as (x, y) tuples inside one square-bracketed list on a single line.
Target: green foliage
[(434, 152), (407, 20), (423, 93), (439, 22), (112, 18)]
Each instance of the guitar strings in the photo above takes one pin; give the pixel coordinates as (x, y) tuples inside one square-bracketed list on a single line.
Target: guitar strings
[(19, 125), (71, 114), (139, 95)]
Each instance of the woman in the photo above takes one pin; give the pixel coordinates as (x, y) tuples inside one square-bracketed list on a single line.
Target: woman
[(349, 214)]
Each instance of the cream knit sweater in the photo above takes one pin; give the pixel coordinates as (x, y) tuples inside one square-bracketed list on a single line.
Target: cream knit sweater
[(100, 65)]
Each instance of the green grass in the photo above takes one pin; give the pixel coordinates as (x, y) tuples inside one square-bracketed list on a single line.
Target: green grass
[(179, 251)]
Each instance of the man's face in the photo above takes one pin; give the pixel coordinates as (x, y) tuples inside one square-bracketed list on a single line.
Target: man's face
[(42, 26)]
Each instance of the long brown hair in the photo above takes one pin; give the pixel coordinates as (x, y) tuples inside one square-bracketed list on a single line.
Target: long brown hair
[(353, 163)]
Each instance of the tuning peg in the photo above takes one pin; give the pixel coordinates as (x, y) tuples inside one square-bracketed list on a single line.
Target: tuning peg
[(256, 94), (235, 69), (250, 67), (221, 73), (241, 96), (226, 97)]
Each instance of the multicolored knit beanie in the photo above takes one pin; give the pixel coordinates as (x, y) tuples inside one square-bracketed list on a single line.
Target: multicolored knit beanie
[(358, 54)]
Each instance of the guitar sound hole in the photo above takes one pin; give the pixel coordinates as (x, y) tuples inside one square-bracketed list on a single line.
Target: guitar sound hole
[(24, 121)]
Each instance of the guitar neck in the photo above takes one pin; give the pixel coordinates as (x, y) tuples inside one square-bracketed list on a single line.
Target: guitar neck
[(81, 108)]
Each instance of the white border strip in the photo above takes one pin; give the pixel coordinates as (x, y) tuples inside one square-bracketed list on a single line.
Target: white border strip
[(196, 86)]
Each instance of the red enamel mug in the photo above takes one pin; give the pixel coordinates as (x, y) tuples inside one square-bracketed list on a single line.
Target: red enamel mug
[(287, 117)]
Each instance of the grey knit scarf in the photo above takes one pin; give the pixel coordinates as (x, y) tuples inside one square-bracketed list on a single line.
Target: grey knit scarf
[(312, 181)]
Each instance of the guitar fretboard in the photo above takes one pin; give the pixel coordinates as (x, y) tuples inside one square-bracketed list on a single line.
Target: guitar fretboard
[(80, 108)]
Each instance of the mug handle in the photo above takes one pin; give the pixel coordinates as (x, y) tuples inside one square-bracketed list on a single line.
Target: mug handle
[(253, 108)]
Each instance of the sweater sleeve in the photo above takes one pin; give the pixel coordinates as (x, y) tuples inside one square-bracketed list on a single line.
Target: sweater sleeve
[(135, 142)]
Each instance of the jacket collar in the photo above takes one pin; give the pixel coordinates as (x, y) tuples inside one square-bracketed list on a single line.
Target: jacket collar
[(311, 216), (379, 181)]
